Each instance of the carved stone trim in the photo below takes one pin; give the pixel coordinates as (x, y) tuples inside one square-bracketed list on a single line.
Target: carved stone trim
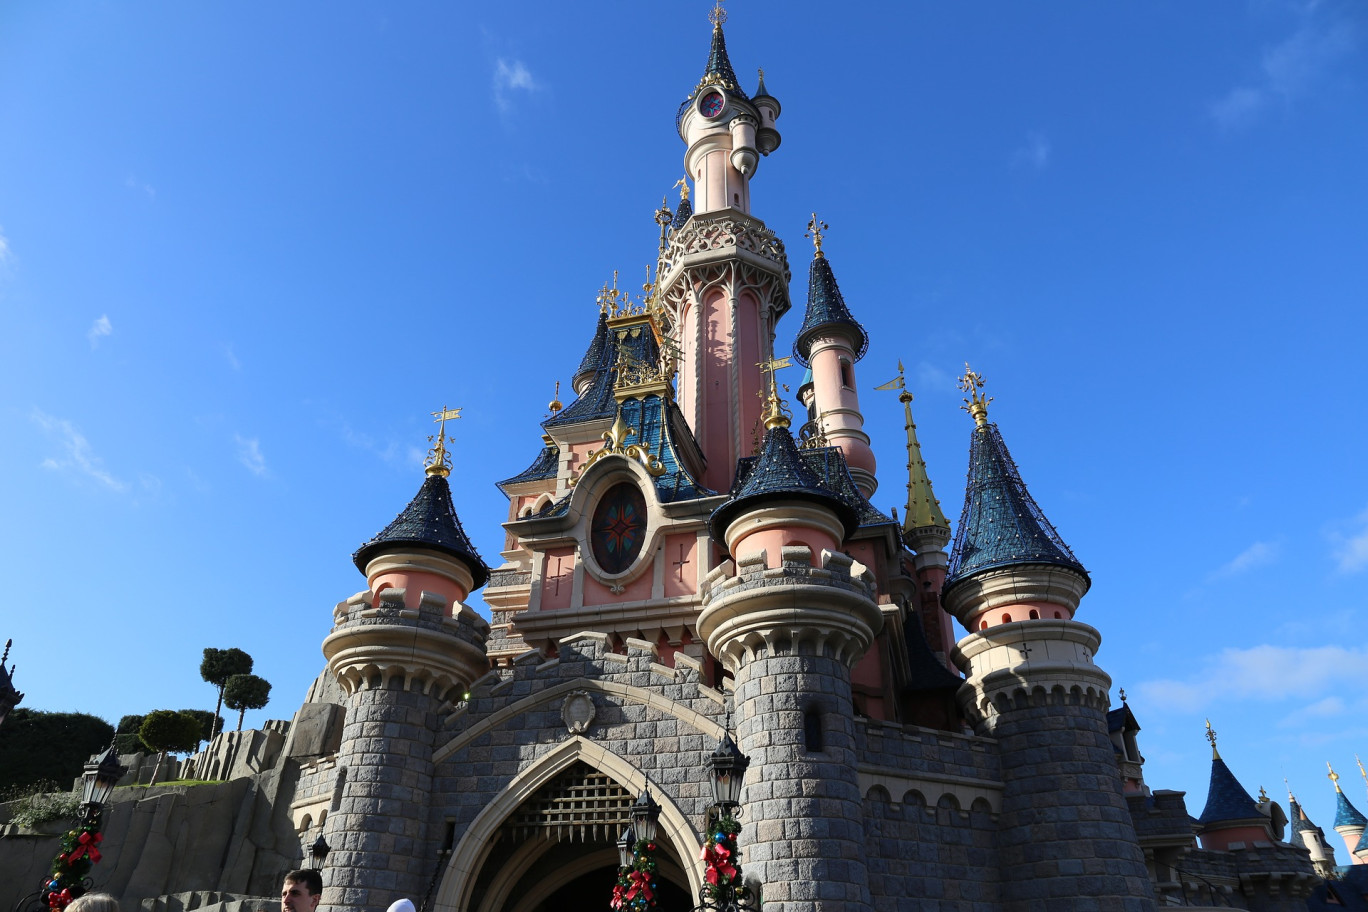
[(578, 712)]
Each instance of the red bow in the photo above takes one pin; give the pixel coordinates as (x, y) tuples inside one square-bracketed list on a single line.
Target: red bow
[(87, 847)]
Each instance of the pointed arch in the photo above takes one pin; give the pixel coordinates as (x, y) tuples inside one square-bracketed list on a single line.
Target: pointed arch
[(471, 852)]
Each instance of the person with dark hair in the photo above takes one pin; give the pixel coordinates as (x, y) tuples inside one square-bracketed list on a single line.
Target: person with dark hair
[(301, 891)]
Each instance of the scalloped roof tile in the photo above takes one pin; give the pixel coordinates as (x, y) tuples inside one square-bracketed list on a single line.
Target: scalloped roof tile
[(1227, 800), (826, 308)]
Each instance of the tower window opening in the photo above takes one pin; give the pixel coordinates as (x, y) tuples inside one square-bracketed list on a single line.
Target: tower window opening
[(847, 375), (736, 200), (812, 730), (1035, 615), (1058, 616), (983, 625), (1006, 619)]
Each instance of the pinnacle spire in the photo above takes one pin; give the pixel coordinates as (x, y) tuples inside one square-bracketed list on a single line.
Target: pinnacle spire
[(719, 71), (923, 510), (826, 308), (1001, 524), (1227, 800)]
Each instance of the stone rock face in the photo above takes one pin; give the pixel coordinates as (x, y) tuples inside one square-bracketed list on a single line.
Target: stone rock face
[(316, 731)]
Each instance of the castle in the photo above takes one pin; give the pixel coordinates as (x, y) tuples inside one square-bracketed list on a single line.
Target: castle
[(687, 563)]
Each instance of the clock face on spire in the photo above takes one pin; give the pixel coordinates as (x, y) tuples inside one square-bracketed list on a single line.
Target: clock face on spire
[(712, 104)]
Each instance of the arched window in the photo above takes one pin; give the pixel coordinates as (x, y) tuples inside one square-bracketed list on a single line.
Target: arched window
[(1035, 615), (847, 375), (1006, 619)]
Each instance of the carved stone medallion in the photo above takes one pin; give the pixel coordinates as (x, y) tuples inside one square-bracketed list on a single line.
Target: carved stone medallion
[(578, 712)]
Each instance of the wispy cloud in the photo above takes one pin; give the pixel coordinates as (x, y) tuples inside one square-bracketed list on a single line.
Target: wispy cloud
[(5, 253), (1351, 551), (99, 329), (249, 454), (77, 455), (1263, 674), (231, 357), (1256, 555), (132, 183), (510, 76), (1289, 69), (1034, 153), (932, 379)]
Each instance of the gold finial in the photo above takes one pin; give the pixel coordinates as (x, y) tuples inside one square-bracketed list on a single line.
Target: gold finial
[(1334, 776), (1362, 771), (649, 286), (556, 405), (717, 15), (602, 299), (683, 185), (815, 228), (1211, 736), (977, 405), (438, 462), (775, 415), (1263, 795), (897, 383), (762, 74), (923, 509), (1122, 694)]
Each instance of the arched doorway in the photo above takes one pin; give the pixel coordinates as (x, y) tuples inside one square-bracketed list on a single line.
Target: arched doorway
[(557, 852)]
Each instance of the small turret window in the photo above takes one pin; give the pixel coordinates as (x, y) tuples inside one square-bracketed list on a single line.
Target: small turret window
[(812, 730), (1035, 615), (847, 375)]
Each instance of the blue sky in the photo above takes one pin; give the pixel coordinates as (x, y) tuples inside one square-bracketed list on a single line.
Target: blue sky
[(246, 249)]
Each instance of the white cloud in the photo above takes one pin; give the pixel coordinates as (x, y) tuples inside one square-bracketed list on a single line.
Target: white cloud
[(132, 183), (1255, 555), (1351, 552), (5, 253), (78, 456), (932, 379), (231, 358), (1289, 69), (1034, 153), (511, 76), (1262, 673), (99, 329), (249, 454)]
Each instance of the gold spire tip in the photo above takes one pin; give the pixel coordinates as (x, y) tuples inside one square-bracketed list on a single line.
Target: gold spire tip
[(717, 15), (438, 463), (815, 228), (1211, 736), (1334, 776), (976, 405), (774, 415), (683, 185), (555, 405)]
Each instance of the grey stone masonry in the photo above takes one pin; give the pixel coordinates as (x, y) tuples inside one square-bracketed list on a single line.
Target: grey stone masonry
[(803, 837), (379, 834), (1066, 841)]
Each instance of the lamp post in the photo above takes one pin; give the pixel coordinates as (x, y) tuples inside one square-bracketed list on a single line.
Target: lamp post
[(724, 890), (9, 697), (626, 848), (319, 851), (102, 772), (635, 890)]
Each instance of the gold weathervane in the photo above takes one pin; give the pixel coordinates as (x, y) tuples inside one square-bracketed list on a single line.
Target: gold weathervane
[(815, 228), (1334, 776), (897, 383), (1211, 736), (977, 405), (717, 15), (683, 185), (438, 463), (556, 405), (775, 417)]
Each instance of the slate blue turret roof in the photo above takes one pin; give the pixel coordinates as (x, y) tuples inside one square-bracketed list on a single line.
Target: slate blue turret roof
[(598, 400), (779, 473), (826, 310), (542, 468), (1227, 801), (1001, 524), (683, 212), (1345, 813), (719, 71), (598, 348), (429, 521)]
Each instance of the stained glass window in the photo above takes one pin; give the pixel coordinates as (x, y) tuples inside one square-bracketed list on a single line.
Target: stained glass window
[(619, 528)]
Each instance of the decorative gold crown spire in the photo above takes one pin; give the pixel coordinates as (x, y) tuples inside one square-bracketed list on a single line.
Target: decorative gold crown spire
[(815, 228), (717, 15), (1334, 776), (683, 185), (438, 463), (977, 405), (555, 404), (1211, 736), (775, 415), (1362, 772), (923, 509)]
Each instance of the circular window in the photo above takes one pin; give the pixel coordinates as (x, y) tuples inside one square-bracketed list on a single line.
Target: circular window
[(619, 528)]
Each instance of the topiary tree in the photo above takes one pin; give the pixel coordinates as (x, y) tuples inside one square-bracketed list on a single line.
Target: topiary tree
[(168, 731), (218, 666), (37, 745), (126, 740), (209, 723), (244, 692)]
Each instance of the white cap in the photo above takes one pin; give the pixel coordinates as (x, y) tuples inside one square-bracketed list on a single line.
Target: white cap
[(401, 905)]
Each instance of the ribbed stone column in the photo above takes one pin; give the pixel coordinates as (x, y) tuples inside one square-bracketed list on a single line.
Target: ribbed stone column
[(802, 838)]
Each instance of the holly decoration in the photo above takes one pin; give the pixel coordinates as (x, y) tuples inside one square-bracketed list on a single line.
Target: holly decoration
[(80, 851), (636, 887), (721, 860)]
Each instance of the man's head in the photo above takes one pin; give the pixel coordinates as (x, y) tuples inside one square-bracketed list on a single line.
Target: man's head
[(302, 891)]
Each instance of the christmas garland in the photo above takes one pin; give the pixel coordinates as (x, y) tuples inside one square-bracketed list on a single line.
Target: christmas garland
[(80, 851), (635, 890), (721, 860)]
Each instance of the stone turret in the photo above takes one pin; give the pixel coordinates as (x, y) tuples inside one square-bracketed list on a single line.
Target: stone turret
[(1307, 835), (789, 617), (1031, 683), (404, 650)]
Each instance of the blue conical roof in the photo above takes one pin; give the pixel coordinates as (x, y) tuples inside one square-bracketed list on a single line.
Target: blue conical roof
[(429, 521), (597, 351), (1001, 524), (1345, 813), (826, 309), (683, 212), (1227, 801), (780, 473), (719, 71)]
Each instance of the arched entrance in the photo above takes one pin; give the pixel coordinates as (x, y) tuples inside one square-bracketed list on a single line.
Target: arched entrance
[(557, 851)]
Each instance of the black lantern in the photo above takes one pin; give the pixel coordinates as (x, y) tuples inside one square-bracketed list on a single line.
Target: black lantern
[(645, 817), (626, 844), (319, 851), (728, 766), (9, 697), (102, 772)]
